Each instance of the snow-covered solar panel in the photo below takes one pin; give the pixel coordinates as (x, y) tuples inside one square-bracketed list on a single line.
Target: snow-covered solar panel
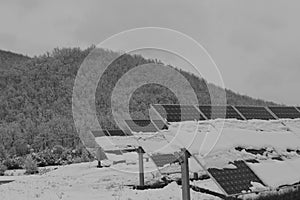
[(276, 174), (161, 160), (235, 180), (285, 112), (221, 112), (254, 112), (141, 126), (178, 113)]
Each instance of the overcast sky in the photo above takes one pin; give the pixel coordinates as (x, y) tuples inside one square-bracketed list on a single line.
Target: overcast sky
[(255, 43)]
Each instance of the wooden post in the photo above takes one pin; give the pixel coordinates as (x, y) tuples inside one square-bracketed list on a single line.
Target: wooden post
[(196, 177), (185, 179), (100, 156), (99, 164), (141, 152)]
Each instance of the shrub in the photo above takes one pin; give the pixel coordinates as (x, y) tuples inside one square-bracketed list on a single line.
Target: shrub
[(46, 158), (14, 163), (58, 150), (30, 166), (77, 160), (3, 168)]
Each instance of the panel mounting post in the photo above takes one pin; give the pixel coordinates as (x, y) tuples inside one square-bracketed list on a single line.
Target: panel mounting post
[(185, 179), (141, 152)]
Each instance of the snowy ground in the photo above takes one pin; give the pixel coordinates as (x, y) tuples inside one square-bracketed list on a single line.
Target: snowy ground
[(212, 143), (85, 181)]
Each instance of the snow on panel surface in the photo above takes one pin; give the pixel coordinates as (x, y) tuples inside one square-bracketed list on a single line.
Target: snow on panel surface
[(208, 137), (117, 142), (200, 137), (278, 173)]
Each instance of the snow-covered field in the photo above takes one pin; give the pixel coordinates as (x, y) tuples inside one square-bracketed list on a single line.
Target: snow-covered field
[(212, 143), (85, 181)]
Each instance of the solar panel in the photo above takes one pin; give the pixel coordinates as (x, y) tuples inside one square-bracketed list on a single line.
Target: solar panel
[(161, 160), (141, 126), (115, 151), (285, 112), (177, 113), (221, 112), (254, 112), (120, 151), (116, 132), (160, 124), (235, 180), (100, 133)]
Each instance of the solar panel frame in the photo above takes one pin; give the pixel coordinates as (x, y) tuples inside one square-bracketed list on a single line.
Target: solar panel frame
[(221, 112), (177, 113), (255, 112), (285, 112), (141, 126), (235, 181)]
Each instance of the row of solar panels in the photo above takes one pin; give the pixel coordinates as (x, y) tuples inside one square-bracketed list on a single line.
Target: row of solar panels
[(133, 126), (177, 113)]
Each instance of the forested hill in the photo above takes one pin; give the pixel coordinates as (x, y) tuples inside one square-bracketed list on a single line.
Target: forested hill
[(36, 96), (9, 59)]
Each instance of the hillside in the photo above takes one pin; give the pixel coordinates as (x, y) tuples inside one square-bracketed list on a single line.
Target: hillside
[(36, 97), (9, 59)]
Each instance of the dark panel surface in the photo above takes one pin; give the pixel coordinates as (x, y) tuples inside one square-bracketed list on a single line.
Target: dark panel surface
[(117, 133), (285, 112), (178, 113), (161, 160), (101, 133), (141, 126), (253, 112), (221, 112), (160, 124), (236, 180)]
